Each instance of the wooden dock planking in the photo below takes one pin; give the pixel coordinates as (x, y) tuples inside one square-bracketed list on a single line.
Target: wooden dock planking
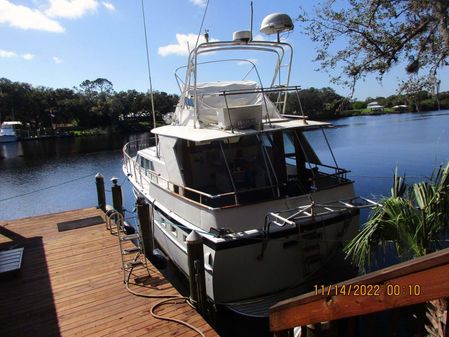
[(71, 284)]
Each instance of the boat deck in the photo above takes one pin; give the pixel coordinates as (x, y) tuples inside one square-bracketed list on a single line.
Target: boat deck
[(71, 283)]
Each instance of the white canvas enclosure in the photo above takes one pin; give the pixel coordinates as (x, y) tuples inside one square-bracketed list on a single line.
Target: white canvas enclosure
[(211, 101)]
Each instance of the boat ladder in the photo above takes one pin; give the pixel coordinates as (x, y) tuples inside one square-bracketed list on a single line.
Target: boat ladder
[(131, 247), (313, 210)]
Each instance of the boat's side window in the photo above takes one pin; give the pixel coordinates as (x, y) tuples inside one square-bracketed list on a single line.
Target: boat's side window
[(148, 165), (289, 147), (267, 140), (145, 163)]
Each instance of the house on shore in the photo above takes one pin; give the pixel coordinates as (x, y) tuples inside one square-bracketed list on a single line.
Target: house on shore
[(400, 108), (375, 107)]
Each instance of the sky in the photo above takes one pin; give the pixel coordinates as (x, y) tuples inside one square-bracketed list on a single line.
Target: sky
[(61, 43)]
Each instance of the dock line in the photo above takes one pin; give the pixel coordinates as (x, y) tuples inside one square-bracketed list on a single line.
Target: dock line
[(48, 187)]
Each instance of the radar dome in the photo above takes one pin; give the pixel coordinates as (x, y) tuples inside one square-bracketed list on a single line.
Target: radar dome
[(276, 23)]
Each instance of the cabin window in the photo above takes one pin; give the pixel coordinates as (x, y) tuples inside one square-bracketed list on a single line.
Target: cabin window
[(203, 168), (148, 164), (255, 167), (145, 163)]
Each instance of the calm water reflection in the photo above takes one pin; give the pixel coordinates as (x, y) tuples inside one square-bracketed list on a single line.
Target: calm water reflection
[(369, 146), (39, 165)]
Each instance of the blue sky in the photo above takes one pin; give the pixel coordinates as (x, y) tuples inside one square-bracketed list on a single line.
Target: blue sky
[(60, 43)]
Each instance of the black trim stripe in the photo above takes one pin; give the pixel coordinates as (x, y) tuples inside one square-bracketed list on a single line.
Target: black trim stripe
[(239, 242)]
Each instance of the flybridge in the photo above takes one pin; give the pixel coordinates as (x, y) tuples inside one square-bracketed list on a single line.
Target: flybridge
[(220, 104)]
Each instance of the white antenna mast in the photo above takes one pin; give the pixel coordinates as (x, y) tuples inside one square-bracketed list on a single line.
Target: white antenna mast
[(149, 74), (196, 45), (251, 22)]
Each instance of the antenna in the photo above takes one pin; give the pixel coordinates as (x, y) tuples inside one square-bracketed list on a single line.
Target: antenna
[(202, 22), (251, 22), (149, 73)]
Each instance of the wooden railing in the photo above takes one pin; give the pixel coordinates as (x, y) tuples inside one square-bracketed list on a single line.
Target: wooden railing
[(416, 281)]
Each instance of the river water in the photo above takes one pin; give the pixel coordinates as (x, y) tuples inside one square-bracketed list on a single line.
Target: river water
[(52, 175)]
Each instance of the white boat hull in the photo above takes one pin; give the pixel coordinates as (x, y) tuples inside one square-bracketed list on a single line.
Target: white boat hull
[(253, 266)]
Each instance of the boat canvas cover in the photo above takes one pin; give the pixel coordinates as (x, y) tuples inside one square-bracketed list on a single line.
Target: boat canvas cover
[(211, 101)]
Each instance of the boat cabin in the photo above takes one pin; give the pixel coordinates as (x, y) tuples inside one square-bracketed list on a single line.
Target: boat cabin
[(249, 166)]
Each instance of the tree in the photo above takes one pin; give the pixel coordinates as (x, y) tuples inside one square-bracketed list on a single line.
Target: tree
[(98, 94), (377, 34), (416, 89), (358, 105), (414, 219)]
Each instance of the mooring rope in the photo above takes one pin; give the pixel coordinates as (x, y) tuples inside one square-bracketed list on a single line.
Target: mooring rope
[(48, 187)]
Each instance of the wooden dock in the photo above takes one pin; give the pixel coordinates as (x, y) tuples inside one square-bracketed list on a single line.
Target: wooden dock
[(71, 283)]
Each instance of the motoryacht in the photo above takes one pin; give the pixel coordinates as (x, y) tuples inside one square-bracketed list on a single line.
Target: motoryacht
[(240, 169), (8, 132)]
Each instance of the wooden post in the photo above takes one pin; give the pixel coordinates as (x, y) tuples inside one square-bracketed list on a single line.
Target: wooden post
[(195, 259), (117, 199), (146, 230), (99, 181)]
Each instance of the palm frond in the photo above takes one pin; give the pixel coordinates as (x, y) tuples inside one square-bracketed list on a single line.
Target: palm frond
[(413, 218), (399, 186)]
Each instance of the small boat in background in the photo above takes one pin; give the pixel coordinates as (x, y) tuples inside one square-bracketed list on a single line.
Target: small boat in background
[(8, 132)]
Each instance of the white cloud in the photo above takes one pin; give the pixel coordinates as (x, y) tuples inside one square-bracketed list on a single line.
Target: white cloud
[(108, 6), (7, 54), (200, 3), (27, 56), (26, 18), (185, 41), (259, 37), (13, 54), (71, 9), (56, 60)]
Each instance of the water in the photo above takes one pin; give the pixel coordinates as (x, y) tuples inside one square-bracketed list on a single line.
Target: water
[(53, 175), (370, 146)]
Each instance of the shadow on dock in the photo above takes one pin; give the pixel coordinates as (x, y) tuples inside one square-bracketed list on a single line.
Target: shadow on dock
[(27, 300), (71, 284)]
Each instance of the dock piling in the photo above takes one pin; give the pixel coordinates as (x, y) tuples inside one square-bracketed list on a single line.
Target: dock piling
[(117, 199), (197, 283), (146, 230), (99, 181)]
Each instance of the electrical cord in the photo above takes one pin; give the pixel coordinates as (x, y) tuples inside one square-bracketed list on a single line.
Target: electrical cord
[(165, 299)]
